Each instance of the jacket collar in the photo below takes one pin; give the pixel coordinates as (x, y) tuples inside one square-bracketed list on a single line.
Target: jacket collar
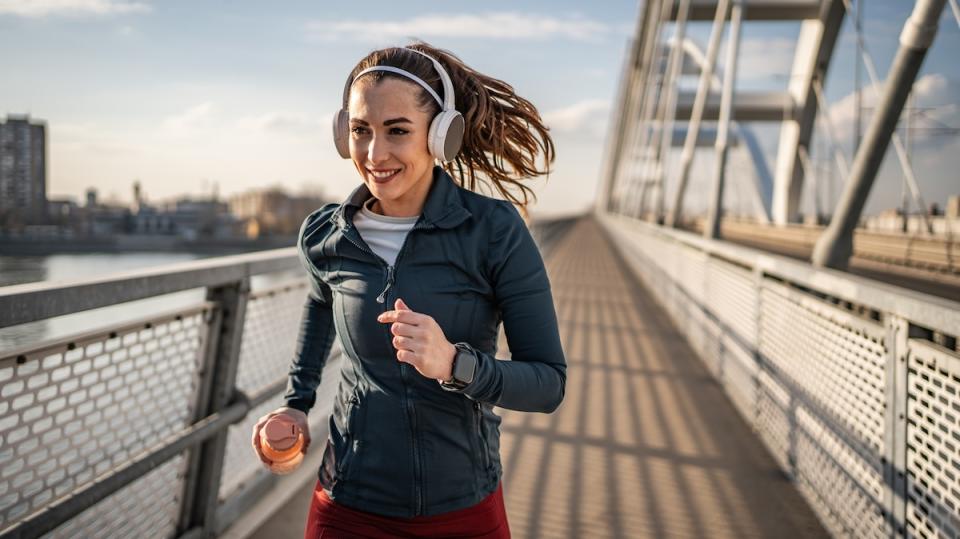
[(443, 207)]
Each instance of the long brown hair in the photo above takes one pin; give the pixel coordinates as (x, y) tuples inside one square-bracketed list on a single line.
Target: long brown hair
[(503, 133)]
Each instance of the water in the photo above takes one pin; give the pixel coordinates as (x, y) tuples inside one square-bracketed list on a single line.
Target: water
[(70, 267)]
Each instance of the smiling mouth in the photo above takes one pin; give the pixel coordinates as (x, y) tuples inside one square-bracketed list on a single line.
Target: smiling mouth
[(383, 176)]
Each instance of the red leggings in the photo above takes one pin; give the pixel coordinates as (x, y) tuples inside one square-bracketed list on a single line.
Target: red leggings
[(330, 520)]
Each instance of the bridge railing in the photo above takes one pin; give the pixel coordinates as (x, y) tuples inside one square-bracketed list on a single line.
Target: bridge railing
[(141, 428), (853, 385)]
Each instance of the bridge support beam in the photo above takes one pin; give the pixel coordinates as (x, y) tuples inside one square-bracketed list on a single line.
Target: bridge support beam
[(703, 90), (668, 108), (811, 59), (835, 245), (627, 116), (711, 228), (648, 93)]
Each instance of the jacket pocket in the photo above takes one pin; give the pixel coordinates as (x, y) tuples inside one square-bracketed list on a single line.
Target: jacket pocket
[(484, 448), (351, 443)]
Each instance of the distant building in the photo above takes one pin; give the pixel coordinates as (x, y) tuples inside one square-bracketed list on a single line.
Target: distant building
[(23, 171), (200, 218), (272, 211)]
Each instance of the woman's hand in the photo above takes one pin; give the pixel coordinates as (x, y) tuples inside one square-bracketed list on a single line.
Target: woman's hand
[(420, 341), (298, 417)]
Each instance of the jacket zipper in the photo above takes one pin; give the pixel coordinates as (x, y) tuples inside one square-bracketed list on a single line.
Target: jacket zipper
[(478, 409), (408, 405)]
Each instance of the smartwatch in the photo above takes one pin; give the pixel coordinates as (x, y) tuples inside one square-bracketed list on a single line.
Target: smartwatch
[(464, 367)]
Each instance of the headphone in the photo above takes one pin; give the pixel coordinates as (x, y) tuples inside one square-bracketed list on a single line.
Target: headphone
[(446, 130)]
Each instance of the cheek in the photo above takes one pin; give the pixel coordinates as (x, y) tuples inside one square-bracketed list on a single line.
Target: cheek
[(357, 147)]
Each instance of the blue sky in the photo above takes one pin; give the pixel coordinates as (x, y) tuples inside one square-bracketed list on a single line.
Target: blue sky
[(182, 95)]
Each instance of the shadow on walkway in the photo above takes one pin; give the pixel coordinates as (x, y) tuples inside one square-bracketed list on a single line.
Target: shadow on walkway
[(645, 444)]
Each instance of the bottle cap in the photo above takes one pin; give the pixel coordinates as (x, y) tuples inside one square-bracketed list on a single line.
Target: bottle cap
[(281, 433)]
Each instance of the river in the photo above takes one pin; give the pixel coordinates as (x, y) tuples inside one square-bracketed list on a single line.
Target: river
[(70, 267)]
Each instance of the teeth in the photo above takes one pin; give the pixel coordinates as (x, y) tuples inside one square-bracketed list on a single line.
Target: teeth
[(384, 174)]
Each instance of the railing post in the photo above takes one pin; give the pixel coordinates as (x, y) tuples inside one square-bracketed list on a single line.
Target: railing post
[(216, 391), (895, 427)]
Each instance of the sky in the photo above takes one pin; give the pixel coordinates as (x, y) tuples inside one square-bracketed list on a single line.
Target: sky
[(191, 96)]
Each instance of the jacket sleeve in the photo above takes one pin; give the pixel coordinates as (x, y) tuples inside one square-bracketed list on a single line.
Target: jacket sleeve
[(535, 379), (316, 335)]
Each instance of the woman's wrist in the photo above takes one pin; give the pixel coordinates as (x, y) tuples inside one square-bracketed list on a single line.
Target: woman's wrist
[(449, 357)]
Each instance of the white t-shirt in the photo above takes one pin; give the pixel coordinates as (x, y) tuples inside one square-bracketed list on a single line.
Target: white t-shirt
[(383, 234)]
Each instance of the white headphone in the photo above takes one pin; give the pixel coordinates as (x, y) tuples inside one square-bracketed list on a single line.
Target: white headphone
[(446, 129)]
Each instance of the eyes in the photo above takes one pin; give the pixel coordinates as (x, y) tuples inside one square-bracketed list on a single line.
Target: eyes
[(359, 131)]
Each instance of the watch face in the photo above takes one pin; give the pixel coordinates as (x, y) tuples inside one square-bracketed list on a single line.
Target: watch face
[(465, 366)]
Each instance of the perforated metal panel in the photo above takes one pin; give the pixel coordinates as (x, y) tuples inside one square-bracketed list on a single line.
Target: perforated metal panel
[(774, 419), (843, 482), (77, 408), (122, 515), (836, 363), (933, 441), (837, 358), (737, 369), (269, 341), (732, 295), (813, 379)]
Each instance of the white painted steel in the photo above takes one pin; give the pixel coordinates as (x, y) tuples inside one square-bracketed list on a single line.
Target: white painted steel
[(808, 356)]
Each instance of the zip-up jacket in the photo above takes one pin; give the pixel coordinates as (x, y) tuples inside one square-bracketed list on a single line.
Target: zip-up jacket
[(399, 444)]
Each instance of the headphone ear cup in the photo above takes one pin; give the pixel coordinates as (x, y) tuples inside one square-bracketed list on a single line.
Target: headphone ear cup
[(446, 135), (341, 133)]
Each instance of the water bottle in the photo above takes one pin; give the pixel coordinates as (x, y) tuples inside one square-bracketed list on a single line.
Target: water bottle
[(281, 442)]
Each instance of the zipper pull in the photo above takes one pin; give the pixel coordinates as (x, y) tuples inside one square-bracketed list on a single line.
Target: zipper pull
[(383, 295)]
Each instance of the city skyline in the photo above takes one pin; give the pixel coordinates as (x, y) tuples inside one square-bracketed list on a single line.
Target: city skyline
[(179, 96)]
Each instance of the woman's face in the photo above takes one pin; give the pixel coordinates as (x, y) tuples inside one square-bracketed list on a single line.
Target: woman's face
[(388, 143)]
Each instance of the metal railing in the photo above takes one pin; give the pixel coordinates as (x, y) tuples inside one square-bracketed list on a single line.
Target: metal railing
[(935, 255), (853, 385), (141, 428)]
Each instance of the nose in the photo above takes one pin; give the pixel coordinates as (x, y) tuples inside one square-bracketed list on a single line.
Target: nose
[(377, 150)]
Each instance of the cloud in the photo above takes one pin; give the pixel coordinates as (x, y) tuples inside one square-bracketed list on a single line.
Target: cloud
[(276, 122), (588, 116), (765, 58), (190, 119), (45, 8), (90, 139), (495, 25), (936, 109)]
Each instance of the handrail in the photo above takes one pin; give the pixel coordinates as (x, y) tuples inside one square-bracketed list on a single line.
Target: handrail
[(20, 304), (923, 309)]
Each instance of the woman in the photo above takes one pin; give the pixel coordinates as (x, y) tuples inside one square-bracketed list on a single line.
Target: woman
[(414, 272)]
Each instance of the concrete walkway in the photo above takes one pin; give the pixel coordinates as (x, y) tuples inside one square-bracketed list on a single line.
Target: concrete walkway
[(645, 443)]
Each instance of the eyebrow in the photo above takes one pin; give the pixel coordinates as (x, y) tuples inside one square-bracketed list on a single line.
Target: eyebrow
[(386, 123)]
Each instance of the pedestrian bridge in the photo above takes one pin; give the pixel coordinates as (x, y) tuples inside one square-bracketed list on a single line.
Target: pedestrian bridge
[(729, 374), (713, 390)]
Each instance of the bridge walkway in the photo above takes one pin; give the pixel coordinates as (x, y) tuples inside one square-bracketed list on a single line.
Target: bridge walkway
[(645, 444)]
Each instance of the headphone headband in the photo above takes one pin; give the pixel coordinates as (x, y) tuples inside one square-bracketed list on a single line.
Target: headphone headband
[(448, 101), (407, 74)]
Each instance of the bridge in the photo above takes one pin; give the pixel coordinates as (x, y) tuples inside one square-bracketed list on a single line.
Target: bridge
[(729, 374)]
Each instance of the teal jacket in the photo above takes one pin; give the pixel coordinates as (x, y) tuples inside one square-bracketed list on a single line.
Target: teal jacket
[(399, 444)]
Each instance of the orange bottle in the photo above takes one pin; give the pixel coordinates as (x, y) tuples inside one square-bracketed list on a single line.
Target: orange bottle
[(281, 441)]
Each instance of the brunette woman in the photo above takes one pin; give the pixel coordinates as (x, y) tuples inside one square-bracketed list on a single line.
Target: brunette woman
[(414, 272)]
